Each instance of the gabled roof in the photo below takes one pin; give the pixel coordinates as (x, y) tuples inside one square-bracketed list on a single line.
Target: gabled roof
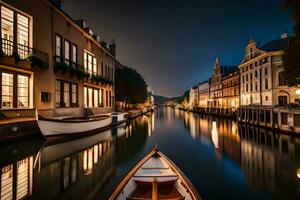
[(276, 45)]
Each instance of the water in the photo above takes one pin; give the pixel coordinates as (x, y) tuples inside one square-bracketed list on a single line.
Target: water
[(222, 159)]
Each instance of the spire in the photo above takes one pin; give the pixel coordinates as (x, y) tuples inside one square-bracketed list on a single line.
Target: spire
[(251, 40), (217, 62)]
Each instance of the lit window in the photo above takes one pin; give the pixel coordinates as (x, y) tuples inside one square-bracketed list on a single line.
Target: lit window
[(67, 51), (90, 97), (94, 66), (67, 94), (7, 90), (7, 26), (23, 35), (74, 53), (58, 47), (74, 94), (58, 91), (96, 96), (23, 91)]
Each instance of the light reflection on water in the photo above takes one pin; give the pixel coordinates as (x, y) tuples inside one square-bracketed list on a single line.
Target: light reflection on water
[(224, 160)]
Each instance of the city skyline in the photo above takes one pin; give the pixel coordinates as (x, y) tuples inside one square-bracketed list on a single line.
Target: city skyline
[(167, 47)]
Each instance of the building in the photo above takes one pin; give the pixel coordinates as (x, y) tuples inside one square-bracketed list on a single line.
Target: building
[(52, 63), (203, 90), (265, 97), (194, 96), (216, 87), (231, 92)]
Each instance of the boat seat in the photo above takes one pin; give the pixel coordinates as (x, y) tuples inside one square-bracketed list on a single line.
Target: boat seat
[(155, 167)]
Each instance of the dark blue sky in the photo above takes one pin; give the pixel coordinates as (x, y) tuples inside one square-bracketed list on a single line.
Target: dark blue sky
[(173, 43)]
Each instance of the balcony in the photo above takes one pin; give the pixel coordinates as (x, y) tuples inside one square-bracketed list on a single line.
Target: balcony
[(21, 56)]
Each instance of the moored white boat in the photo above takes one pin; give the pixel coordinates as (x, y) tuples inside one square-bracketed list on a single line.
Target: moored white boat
[(119, 118), (72, 125), (155, 177)]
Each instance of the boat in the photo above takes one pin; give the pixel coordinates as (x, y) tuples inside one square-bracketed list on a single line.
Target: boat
[(119, 118), (155, 177), (67, 126)]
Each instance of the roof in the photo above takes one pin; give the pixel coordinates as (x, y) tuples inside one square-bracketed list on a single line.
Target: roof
[(226, 70), (276, 45)]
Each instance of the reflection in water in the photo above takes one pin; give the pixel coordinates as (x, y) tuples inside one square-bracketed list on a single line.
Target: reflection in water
[(268, 161), (214, 134), (91, 167), (19, 176)]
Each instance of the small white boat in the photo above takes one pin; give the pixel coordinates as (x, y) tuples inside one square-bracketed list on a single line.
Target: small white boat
[(155, 177), (73, 125), (119, 118)]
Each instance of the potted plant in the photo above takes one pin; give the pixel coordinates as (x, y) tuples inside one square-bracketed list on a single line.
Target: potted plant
[(35, 61)]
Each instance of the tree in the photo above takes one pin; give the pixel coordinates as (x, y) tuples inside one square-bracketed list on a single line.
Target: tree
[(131, 87), (291, 58)]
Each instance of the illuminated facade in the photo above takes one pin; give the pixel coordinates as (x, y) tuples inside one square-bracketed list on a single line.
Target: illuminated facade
[(216, 86), (265, 96), (194, 96), (51, 62), (203, 94), (231, 91)]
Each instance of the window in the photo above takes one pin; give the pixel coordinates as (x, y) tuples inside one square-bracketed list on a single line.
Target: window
[(266, 71), (246, 77), (74, 94), (95, 66), (284, 118), (282, 100), (90, 63), (14, 82), (7, 26), (74, 53), (7, 90), (23, 35), (67, 52), (58, 49), (14, 24), (96, 96), (106, 97), (91, 97), (246, 87), (250, 76), (255, 74), (23, 91), (267, 98), (281, 79), (256, 88), (266, 84), (66, 94)]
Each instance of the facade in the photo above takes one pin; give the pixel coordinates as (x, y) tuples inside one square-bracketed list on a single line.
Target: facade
[(231, 91), (203, 95), (194, 96), (216, 86), (51, 62), (265, 97)]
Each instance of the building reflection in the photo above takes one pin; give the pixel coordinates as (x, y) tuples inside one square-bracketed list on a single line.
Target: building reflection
[(268, 160), (16, 175), (75, 169)]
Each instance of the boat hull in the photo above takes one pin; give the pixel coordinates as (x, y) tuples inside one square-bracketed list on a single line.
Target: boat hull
[(57, 128)]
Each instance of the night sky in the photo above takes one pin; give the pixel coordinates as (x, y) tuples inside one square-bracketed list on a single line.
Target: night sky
[(173, 43)]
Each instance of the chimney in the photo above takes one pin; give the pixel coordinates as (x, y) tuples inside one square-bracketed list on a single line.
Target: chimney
[(81, 23), (59, 4), (284, 35)]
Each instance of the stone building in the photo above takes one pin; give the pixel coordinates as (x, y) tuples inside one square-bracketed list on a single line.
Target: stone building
[(203, 90), (265, 97), (194, 96), (231, 92), (216, 87), (51, 62)]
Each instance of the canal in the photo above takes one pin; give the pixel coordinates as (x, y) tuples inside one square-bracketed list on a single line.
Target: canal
[(223, 160)]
